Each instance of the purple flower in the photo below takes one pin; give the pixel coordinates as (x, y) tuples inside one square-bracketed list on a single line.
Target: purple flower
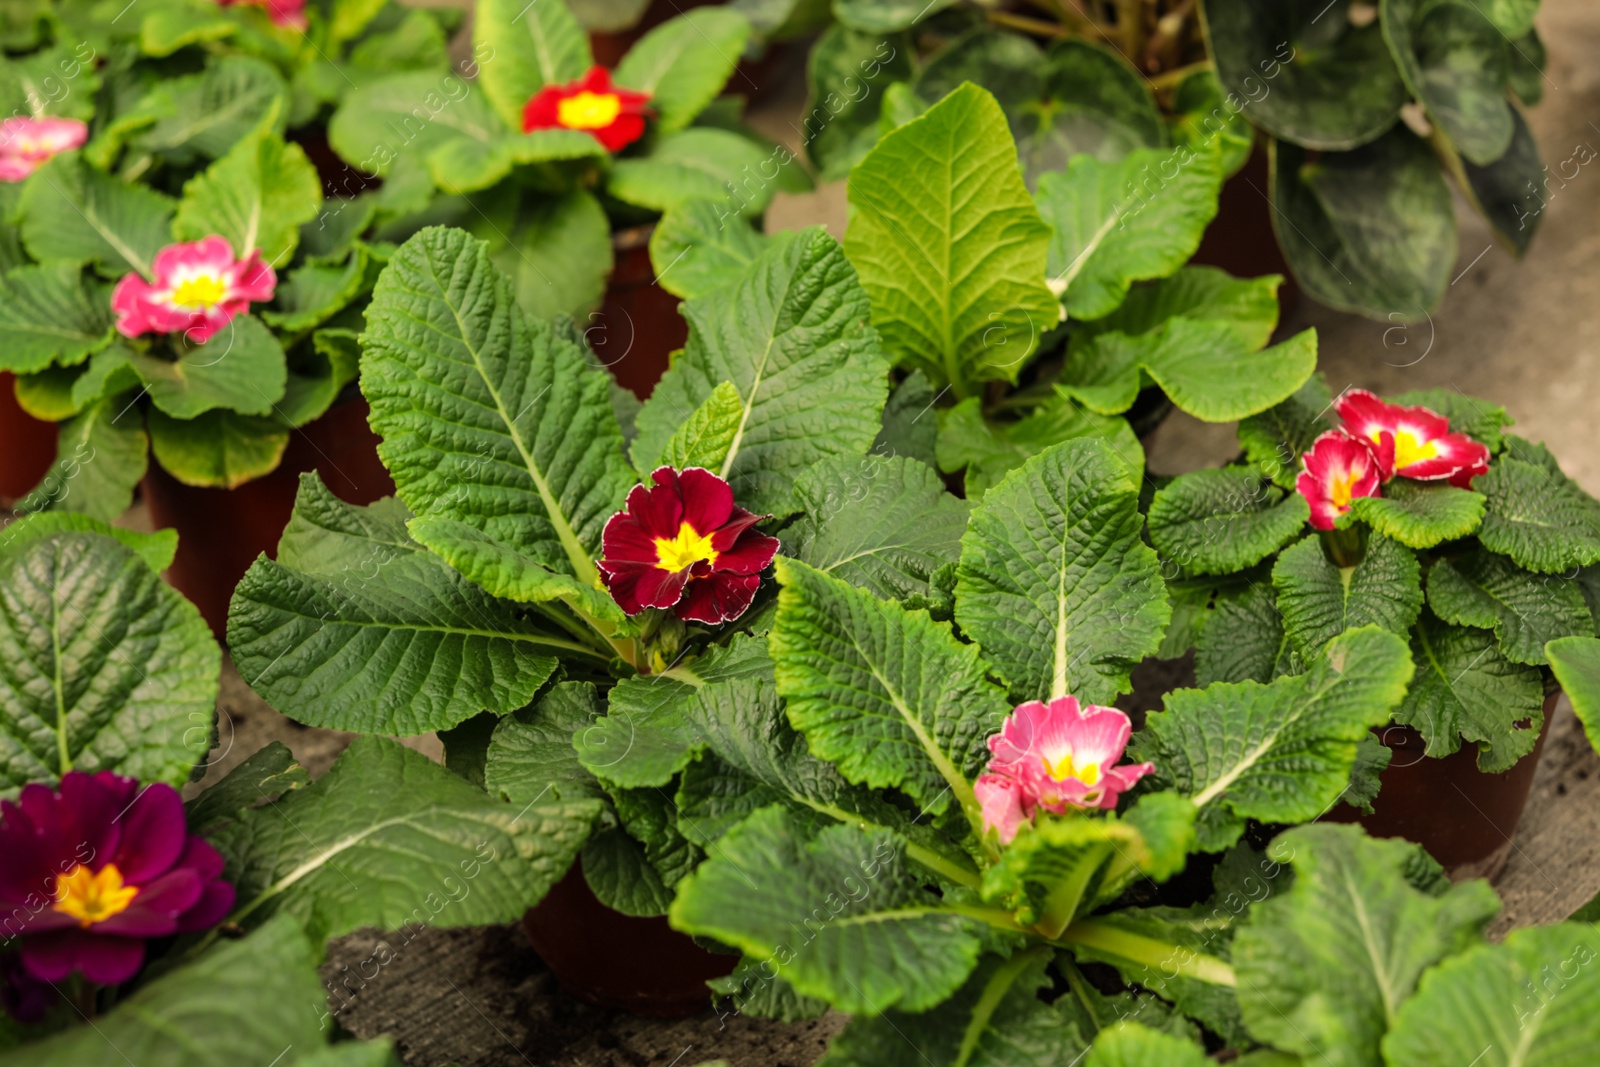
[(93, 871)]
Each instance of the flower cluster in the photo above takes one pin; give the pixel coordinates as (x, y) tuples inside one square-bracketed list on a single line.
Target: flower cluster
[(1052, 757), (91, 872), (615, 117), (1377, 442), (684, 545), (199, 287), (27, 144)]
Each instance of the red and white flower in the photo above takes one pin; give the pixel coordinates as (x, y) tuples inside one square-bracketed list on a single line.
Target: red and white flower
[(614, 116), (199, 287), (1338, 469), (683, 544), (288, 13), (1055, 757), (26, 144), (1412, 442)]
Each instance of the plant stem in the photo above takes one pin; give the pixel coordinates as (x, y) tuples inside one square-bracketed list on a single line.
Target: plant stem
[(1171, 960), (939, 865), (1038, 27), (1172, 78)]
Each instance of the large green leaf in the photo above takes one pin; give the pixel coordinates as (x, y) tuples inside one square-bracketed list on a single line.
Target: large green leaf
[(1243, 638), (218, 449), (849, 921), (156, 549), (499, 432), (533, 45), (684, 63), (1531, 1001), (1247, 306), (557, 254), (531, 756), (847, 73), (950, 246), (1054, 581), (389, 838), (740, 174), (75, 213), (989, 450), (241, 369), (256, 196), (200, 116), (792, 337), (698, 245), (1280, 752), (1525, 610), (886, 694), (1129, 1044), (1466, 689), (352, 600), (883, 524), (1501, 189), (1541, 520), (1456, 62), (1118, 223), (50, 317), (1320, 599), (1091, 101), (101, 455), (1222, 521), (102, 666), (1575, 661), (1421, 514), (1324, 967)]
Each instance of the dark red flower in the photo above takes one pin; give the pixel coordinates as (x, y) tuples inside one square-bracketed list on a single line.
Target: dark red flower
[(592, 104), (684, 545), (90, 872)]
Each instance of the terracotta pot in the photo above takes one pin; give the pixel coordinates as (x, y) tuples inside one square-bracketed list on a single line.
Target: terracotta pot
[(27, 444), (617, 961), (638, 326), (1241, 239), (222, 531), (1466, 819)]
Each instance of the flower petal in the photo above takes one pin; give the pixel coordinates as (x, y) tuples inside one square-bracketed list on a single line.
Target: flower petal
[(718, 599), (707, 499), (154, 835)]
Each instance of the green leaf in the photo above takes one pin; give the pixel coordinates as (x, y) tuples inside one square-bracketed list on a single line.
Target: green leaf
[(534, 45), (310, 295), (50, 317), (1331, 85), (352, 599), (462, 388), (1466, 689), (1047, 875), (1421, 514), (1542, 521), (244, 1002), (885, 16), (1370, 230), (1454, 60), (1511, 17), (414, 115), (792, 337), (388, 838), (1276, 439), (266, 775), (1525, 610), (700, 245), (102, 666), (1528, 61), (706, 163), (1320, 599), (1117, 223), (847, 75), (73, 213), (531, 756), (1222, 521), (950, 246), (766, 996), (1500, 189), (1201, 115), (1280, 753), (219, 449), (1054, 581), (849, 921), (1243, 640), (1530, 1001), (156, 549), (705, 438), (621, 877), (256, 196), (685, 62), (1324, 967), (201, 116), (558, 255), (241, 369), (1575, 661), (1090, 101), (883, 524), (988, 450), (1248, 306), (101, 455), (888, 695), (1128, 1044), (910, 425)]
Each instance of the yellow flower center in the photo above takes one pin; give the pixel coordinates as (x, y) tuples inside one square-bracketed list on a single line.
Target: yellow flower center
[(1409, 450), (201, 291), (1063, 769), (93, 897), (1342, 489), (684, 551), (589, 111)]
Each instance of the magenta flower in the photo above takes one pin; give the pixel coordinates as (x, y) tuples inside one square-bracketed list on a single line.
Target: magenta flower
[(27, 144), (1413, 442), (1055, 757), (1338, 469), (93, 871), (289, 13), (199, 288)]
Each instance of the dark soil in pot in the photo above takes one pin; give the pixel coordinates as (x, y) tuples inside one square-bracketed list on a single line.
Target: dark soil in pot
[(620, 961), (222, 531), (638, 326), (1466, 819), (1241, 239), (27, 444)]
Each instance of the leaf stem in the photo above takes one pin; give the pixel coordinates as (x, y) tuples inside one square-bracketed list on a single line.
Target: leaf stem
[(994, 992), (1172, 78), (1173, 961)]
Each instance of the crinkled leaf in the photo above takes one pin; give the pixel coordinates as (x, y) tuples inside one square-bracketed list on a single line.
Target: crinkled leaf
[(684, 63), (1542, 521), (700, 245), (50, 316), (1275, 439), (256, 196), (620, 875), (534, 45), (1466, 689), (759, 991), (1525, 610), (1048, 874), (531, 755), (1421, 514), (156, 549), (989, 450), (74, 213), (910, 425), (1320, 599), (1222, 521), (1244, 639), (706, 436)]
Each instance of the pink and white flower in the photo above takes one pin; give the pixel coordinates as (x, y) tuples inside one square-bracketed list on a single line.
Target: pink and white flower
[(1413, 442), (1338, 469), (199, 287), (1055, 757), (26, 144)]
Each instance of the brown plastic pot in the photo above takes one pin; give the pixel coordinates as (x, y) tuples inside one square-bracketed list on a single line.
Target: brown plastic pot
[(1241, 239), (222, 531), (27, 444), (638, 326), (617, 961), (1466, 819)]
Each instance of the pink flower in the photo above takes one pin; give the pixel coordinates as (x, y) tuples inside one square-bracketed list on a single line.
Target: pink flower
[(1412, 442), (290, 13), (28, 144), (199, 288), (1338, 469), (1055, 757)]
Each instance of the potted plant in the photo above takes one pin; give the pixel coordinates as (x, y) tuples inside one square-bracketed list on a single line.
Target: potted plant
[(1419, 515)]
